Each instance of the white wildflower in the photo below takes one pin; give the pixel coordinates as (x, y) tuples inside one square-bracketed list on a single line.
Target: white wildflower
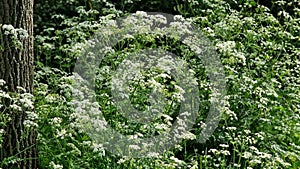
[(2, 82), (247, 155), (215, 151), (225, 152), (134, 147), (55, 121), (98, 148), (176, 160), (61, 133), (224, 145), (231, 128), (55, 166)]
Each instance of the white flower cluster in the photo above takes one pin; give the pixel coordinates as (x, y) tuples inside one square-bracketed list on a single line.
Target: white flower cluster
[(55, 166), (19, 102), (17, 35), (228, 48)]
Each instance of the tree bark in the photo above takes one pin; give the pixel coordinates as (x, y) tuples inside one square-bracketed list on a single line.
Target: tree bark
[(16, 68)]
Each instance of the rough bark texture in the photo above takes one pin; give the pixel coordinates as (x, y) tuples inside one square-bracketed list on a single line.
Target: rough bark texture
[(16, 68)]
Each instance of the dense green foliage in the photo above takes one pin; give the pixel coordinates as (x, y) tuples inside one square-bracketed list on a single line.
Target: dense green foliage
[(259, 46)]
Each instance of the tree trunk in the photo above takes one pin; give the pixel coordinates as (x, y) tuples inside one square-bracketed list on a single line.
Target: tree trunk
[(16, 68)]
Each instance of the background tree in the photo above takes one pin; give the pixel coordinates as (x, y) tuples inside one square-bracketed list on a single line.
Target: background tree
[(16, 68)]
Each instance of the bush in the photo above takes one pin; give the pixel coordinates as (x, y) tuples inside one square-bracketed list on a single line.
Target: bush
[(258, 46)]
